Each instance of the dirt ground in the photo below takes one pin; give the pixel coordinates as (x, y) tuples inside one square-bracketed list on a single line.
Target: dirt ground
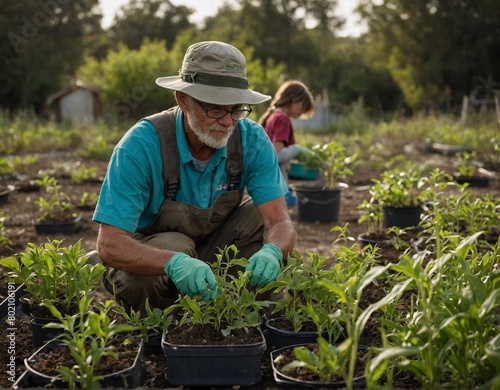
[(21, 209)]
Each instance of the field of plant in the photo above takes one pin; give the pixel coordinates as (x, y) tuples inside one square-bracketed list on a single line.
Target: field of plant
[(426, 301)]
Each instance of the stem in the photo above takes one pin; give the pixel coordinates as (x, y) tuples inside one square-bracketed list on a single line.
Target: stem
[(354, 346)]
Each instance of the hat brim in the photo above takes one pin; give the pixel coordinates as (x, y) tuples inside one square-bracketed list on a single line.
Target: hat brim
[(212, 94)]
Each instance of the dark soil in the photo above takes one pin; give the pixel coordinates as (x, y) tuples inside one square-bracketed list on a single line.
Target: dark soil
[(49, 362), (21, 211), (303, 374), (208, 335)]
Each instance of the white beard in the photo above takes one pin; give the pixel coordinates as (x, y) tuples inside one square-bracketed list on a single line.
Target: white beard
[(205, 136)]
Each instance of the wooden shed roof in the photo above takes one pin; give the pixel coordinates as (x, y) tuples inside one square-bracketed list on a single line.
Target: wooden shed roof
[(78, 85)]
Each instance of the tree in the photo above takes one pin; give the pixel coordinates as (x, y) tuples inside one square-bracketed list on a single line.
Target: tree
[(127, 80), (437, 50), (43, 45), (153, 19)]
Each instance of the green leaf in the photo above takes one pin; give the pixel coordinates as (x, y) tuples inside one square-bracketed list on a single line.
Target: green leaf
[(11, 263), (390, 353)]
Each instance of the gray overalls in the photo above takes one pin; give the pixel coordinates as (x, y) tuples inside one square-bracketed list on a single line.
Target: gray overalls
[(184, 228)]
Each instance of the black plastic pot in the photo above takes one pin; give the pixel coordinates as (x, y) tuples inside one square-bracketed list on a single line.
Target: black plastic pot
[(41, 334), (214, 365), (318, 204), (128, 378), (280, 338), (402, 217), (473, 181), (152, 346), (287, 381), (26, 304), (4, 195), (10, 304), (55, 227)]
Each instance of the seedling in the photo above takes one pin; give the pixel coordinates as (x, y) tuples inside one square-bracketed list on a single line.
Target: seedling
[(154, 322), (5, 242), (466, 165), (56, 205), (337, 163), (89, 335), (82, 173), (236, 306)]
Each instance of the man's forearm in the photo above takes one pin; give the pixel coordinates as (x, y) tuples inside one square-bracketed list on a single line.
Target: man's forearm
[(122, 252), (282, 234)]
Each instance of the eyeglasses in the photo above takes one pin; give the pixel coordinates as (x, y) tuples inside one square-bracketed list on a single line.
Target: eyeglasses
[(219, 113)]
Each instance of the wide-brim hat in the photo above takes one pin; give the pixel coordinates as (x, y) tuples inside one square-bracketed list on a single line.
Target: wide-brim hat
[(214, 72)]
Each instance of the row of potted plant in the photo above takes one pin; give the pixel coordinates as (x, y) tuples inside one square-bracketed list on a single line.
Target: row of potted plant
[(400, 190), (57, 212)]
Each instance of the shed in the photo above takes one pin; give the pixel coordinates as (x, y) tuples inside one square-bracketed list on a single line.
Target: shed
[(78, 103)]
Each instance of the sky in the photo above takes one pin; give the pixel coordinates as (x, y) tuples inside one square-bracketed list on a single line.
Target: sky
[(204, 8)]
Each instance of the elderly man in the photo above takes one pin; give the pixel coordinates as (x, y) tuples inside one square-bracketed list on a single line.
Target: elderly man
[(175, 185)]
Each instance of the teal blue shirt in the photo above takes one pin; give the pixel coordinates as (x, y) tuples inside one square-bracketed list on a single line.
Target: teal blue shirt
[(132, 192)]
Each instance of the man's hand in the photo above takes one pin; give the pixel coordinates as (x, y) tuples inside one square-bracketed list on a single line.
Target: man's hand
[(265, 264), (192, 276)]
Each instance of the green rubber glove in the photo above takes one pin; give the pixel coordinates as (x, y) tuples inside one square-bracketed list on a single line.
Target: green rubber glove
[(192, 276), (265, 264), (303, 150)]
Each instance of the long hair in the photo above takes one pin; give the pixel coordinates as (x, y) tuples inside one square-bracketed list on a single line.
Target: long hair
[(290, 92)]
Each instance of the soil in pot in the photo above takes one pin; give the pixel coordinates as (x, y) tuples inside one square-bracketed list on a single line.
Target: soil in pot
[(303, 377), (45, 363), (41, 316), (388, 250)]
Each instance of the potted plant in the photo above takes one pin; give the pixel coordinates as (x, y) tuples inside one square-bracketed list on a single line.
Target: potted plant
[(401, 193), (468, 171), (393, 212), (337, 365), (52, 274), (388, 243), (322, 204), (150, 327), (319, 365), (298, 288), (92, 351), (217, 342), (56, 209)]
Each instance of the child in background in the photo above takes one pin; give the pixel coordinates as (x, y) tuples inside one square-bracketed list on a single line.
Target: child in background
[(292, 100)]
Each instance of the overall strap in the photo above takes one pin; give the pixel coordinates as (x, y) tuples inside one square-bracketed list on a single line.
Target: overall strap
[(234, 164), (164, 123)]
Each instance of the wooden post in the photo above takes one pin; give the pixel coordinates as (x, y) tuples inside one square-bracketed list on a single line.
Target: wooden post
[(465, 106)]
